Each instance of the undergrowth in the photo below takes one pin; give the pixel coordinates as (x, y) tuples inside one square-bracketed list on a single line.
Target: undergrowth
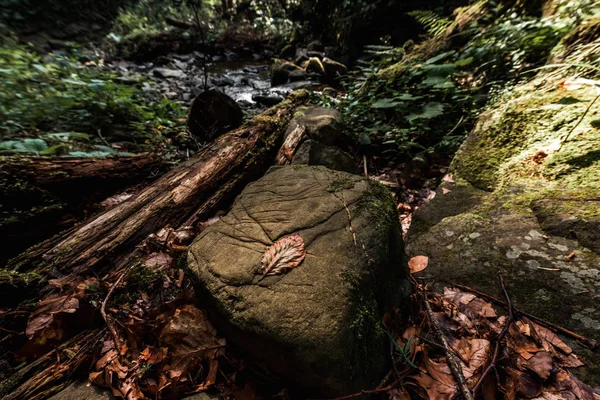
[(56, 99), (401, 104)]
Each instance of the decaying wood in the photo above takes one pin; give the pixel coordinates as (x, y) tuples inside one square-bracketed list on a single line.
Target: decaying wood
[(43, 196), (290, 146), (43, 377), (188, 193)]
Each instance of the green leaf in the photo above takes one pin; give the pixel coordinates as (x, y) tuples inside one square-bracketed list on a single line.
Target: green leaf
[(464, 62), (68, 135), (385, 103), (429, 111)]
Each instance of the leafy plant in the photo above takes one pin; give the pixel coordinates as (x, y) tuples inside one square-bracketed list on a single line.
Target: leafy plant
[(433, 23)]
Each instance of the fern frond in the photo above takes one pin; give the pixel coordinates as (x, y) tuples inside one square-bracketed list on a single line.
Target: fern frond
[(433, 23)]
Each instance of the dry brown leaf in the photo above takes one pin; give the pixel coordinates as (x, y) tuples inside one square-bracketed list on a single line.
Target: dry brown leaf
[(541, 364), (547, 336), (446, 191), (448, 178), (477, 352), (418, 263), (457, 297), (284, 254), (437, 381)]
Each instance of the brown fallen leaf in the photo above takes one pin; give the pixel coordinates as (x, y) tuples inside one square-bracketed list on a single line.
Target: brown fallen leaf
[(541, 364), (418, 263), (446, 191), (283, 255)]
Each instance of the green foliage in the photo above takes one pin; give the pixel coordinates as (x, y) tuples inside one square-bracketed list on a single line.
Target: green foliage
[(433, 23), (406, 105), (61, 95)]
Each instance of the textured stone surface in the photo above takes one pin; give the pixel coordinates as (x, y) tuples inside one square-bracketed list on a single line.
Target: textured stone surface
[(312, 152), (316, 326), (322, 124)]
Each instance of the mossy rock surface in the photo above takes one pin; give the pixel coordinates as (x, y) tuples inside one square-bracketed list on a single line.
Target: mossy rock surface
[(317, 326), (526, 203)]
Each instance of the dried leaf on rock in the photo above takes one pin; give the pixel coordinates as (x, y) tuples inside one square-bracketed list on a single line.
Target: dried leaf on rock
[(284, 254), (550, 337), (477, 352), (418, 263)]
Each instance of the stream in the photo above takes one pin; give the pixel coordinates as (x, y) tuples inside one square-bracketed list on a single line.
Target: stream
[(180, 77)]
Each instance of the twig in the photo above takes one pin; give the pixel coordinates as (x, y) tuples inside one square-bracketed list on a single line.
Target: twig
[(111, 328), (196, 10), (578, 122), (365, 167), (582, 340), (453, 362), (451, 348), (102, 137), (507, 324)]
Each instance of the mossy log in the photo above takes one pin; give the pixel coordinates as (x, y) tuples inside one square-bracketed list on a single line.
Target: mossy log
[(189, 193), (42, 196)]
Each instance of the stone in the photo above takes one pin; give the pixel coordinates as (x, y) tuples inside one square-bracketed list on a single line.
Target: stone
[(280, 70), (169, 73), (315, 45), (298, 75), (333, 69), (312, 152), (267, 100), (322, 124), (213, 113), (315, 66), (316, 327)]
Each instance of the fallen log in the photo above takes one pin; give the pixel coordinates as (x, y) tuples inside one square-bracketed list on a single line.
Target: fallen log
[(193, 191), (42, 196)]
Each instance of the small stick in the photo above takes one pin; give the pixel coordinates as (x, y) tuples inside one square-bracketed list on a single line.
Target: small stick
[(578, 122), (366, 169), (507, 324), (451, 348), (582, 340), (453, 362), (111, 328)]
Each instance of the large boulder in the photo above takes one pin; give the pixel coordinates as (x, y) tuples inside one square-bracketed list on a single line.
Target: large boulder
[(312, 152), (322, 124), (213, 113), (523, 202), (315, 326)]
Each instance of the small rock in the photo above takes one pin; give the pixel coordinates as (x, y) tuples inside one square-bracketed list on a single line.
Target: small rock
[(267, 100), (168, 73), (280, 71), (315, 66), (312, 152), (213, 113), (333, 69), (298, 75), (322, 124), (315, 46)]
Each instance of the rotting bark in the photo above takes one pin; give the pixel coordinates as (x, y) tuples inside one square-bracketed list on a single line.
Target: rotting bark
[(187, 194), (42, 196)]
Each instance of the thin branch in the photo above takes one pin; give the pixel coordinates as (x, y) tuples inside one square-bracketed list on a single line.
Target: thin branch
[(111, 328), (507, 324), (453, 362), (582, 340), (196, 11), (579, 121)]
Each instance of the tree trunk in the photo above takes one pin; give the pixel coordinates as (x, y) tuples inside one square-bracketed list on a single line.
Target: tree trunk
[(186, 195), (42, 196)]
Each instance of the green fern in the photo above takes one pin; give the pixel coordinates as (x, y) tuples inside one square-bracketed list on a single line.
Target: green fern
[(433, 23)]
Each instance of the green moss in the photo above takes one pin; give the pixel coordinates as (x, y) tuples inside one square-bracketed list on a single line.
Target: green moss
[(380, 205)]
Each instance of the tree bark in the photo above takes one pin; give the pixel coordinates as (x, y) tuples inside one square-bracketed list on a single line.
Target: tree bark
[(42, 196), (186, 195)]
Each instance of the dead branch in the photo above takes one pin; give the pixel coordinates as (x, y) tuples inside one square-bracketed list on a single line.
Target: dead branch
[(509, 321), (453, 362), (582, 340), (111, 328)]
